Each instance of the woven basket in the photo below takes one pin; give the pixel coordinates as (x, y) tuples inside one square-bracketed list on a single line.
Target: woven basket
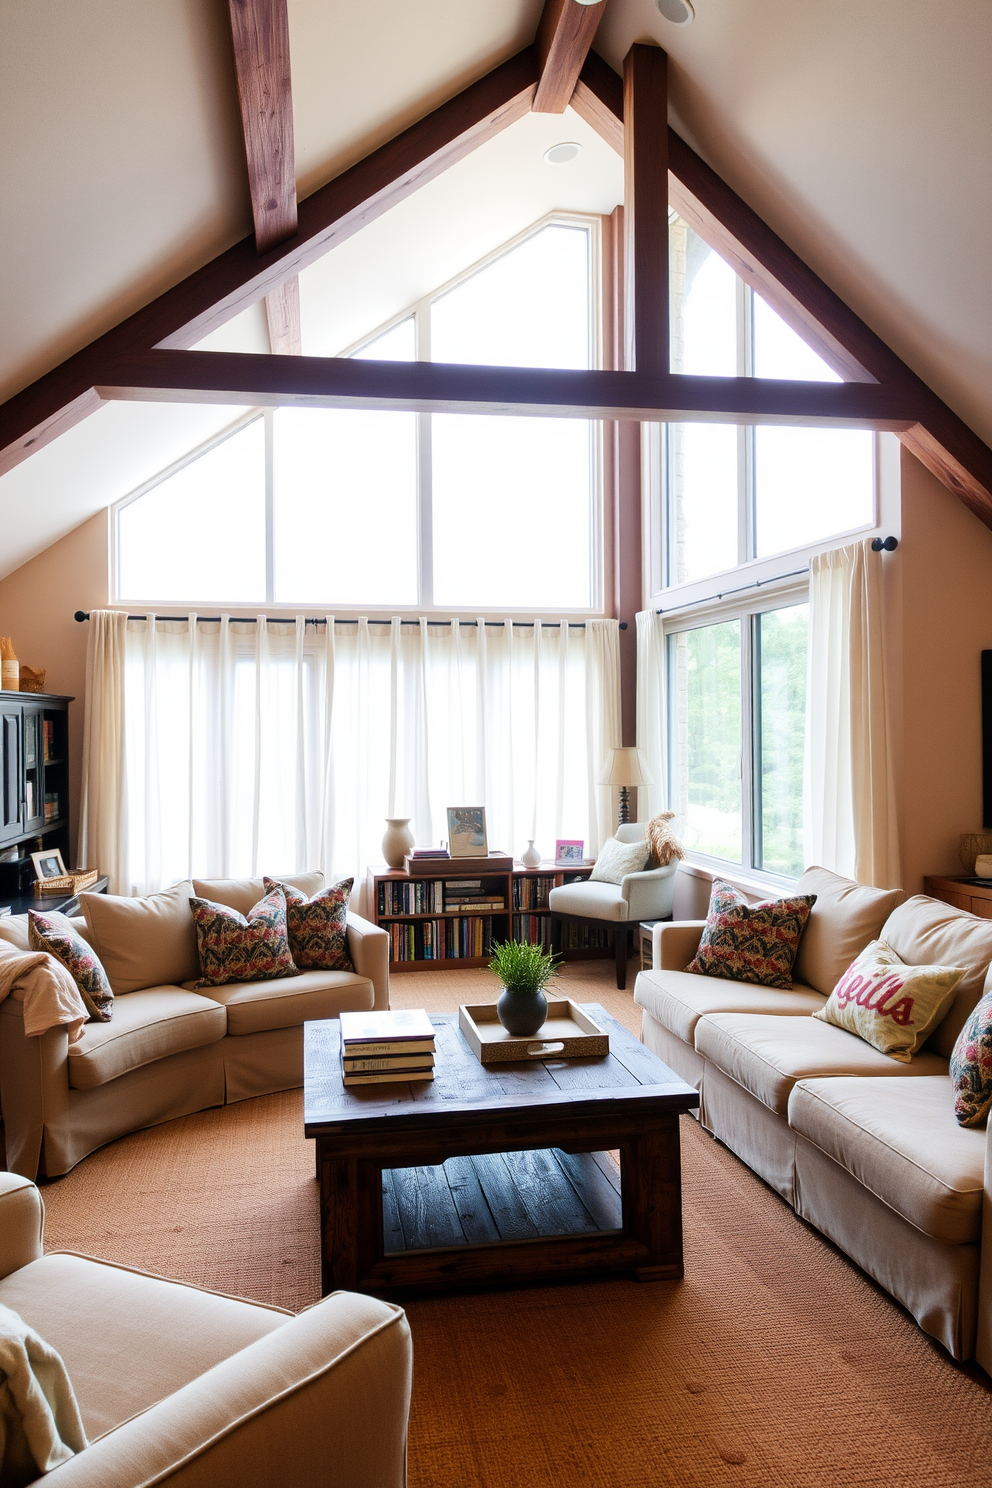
[(67, 883)]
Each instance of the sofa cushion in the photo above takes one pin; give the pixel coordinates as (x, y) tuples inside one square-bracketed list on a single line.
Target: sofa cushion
[(594, 901), (318, 927), (98, 1315), (148, 1025), (751, 942), (143, 942), (243, 894), (845, 917), (16, 930), (768, 1055), (890, 1005), (254, 1007), (236, 948), (678, 999), (53, 933), (923, 931), (971, 1066), (901, 1141)]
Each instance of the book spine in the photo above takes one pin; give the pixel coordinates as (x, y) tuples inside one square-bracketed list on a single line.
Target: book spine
[(395, 1062), (412, 1048), (383, 1079)]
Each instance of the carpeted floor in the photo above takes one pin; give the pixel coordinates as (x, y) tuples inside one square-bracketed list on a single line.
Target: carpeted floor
[(775, 1361)]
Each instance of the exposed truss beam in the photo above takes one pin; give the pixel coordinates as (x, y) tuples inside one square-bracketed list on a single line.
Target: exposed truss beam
[(939, 438), (564, 37), (439, 387), (645, 207), (260, 33), (282, 318), (239, 278)]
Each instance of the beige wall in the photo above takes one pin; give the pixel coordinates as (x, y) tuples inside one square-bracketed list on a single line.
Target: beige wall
[(945, 605), (37, 602)]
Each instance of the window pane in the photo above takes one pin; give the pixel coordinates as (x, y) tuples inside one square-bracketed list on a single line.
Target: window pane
[(396, 345), (708, 682), (811, 484), (512, 511), (703, 306), (200, 534), (345, 507), (702, 485), (779, 352), (780, 693), (528, 308)]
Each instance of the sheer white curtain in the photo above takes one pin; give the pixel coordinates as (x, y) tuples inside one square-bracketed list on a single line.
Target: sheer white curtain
[(850, 820), (280, 745), (652, 712)]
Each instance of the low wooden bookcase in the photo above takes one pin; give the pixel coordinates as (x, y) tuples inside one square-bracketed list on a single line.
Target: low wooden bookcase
[(411, 906)]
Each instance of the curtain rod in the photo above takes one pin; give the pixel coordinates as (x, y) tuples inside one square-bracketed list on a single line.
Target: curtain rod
[(878, 545), (82, 615)]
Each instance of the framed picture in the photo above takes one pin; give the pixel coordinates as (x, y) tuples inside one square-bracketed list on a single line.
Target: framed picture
[(48, 864), (568, 852), (467, 832)]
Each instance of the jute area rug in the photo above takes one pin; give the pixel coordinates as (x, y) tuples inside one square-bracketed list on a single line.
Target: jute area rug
[(774, 1362)]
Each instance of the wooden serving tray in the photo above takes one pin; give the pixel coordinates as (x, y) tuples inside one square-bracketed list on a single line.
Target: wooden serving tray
[(568, 1033)]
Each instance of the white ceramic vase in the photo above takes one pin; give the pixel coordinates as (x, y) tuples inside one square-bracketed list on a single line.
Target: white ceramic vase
[(532, 857), (398, 840)]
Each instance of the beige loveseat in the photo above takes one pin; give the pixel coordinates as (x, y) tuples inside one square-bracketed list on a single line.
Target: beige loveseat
[(168, 1050), (187, 1387), (864, 1147)]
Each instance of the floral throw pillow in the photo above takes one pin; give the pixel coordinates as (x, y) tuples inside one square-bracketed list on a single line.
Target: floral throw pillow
[(236, 948), (318, 927), (751, 942), (54, 934), (890, 1005), (971, 1066)]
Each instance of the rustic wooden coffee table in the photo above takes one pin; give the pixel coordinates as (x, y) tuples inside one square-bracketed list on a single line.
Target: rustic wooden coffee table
[(499, 1174)]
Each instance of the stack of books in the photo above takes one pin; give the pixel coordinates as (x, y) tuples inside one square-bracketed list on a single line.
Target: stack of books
[(472, 896), (379, 1047)]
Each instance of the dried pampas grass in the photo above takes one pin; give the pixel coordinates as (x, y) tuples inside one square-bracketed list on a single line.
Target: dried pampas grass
[(665, 846)]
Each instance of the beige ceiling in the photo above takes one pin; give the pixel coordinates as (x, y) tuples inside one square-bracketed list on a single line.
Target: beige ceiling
[(861, 131)]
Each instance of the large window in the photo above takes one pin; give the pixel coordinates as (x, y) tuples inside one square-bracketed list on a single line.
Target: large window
[(352, 508), (738, 711)]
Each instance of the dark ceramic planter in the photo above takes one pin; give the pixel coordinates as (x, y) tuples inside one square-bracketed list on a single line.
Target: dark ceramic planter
[(522, 1013)]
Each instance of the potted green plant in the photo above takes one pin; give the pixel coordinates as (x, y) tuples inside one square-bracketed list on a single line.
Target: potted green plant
[(524, 970)]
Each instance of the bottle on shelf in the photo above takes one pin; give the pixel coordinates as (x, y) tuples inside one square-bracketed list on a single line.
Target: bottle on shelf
[(10, 667)]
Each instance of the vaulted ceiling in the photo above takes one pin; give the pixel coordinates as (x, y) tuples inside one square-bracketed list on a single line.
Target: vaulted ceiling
[(860, 132)]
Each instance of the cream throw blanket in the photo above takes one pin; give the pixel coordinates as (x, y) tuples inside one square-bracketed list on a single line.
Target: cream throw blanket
[(49, 993), (39, 1416)]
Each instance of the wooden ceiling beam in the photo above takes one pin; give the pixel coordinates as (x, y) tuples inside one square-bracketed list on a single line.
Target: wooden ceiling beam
[(438, 387), (564, 37), (238, 278), (645, 209), (282, 319), (940, 440)]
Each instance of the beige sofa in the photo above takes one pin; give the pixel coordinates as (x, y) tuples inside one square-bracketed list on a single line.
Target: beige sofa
[(864, 1147), (187, 1387), (168, 1050)]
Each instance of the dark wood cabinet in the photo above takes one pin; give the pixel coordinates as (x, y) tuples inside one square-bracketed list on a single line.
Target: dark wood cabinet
[(34, 781)]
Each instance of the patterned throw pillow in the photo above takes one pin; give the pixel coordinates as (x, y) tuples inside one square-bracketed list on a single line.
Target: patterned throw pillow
[(751, 942), (318, 927), (234, 948), (890, 1005), (54, 934), (971, 1066)]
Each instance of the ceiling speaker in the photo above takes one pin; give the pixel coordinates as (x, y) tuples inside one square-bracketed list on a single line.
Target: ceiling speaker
[(679, 12)]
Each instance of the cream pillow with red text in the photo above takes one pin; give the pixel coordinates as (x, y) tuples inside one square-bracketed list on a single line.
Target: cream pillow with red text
[(890, 1005)]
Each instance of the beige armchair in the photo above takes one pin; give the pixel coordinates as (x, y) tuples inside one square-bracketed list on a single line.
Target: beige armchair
[(616, 907), (183, 1386)]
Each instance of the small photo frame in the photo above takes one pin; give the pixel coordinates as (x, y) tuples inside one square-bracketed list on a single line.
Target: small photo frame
[(48, 864), (568, 852), (467, 832)]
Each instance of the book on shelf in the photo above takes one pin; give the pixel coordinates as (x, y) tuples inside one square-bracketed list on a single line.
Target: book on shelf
[(468, 905), (425, 855), (366, 1064), (369, 1032)]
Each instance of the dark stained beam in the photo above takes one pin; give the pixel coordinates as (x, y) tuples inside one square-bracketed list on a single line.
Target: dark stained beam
[(941, 440), (238, 278), (260, 33), (282, 317), (645, 208), (564, 37), (439, 387)]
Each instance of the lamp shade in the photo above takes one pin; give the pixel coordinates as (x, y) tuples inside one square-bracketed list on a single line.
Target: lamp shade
[(626, 767)]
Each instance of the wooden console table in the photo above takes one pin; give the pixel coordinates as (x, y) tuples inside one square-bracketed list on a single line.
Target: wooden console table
[(971, 894)]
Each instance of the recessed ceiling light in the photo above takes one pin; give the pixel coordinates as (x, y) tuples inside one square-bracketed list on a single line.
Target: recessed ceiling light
[(679, 12), (563, 153)]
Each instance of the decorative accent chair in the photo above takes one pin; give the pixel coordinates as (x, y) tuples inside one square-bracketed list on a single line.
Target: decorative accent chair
[(178, 1385), (616, 907)]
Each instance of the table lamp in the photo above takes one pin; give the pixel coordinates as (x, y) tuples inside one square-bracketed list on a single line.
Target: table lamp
[(625, 768)]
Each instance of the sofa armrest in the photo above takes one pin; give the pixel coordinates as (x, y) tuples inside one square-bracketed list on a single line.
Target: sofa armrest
[(368, 947), (674, 945), (22, 1223), (34, 1086), (323, 1399), (983, 1341)]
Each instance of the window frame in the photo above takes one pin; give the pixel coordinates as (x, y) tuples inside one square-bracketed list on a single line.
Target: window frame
[(420, 312)]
